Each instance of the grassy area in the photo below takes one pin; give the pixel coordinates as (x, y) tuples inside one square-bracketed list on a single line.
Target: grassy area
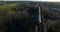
[(8, 5)]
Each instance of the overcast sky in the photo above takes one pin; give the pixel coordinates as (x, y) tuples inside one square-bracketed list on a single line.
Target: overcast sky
[(34, 0)]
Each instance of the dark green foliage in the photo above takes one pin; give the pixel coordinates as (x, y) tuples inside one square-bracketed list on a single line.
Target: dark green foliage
[(52, 16), (20, 18)]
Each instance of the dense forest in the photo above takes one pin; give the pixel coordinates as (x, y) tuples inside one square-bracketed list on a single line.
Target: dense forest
[(18, 16), (51, 16), (23, 16)]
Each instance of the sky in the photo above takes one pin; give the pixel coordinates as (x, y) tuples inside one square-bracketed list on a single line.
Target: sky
[(34, 0)]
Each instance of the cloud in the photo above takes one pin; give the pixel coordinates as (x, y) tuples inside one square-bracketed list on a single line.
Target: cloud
[(34, 0)]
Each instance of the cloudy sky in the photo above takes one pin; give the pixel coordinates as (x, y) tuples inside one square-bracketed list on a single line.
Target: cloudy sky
[(34, 0)]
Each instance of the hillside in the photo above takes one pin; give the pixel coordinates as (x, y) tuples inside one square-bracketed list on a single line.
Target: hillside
[(18, 16), (51, 16)]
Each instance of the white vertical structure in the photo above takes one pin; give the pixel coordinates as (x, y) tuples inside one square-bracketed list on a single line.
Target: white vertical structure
[(36, 27), (44, 23), (39, 15)]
